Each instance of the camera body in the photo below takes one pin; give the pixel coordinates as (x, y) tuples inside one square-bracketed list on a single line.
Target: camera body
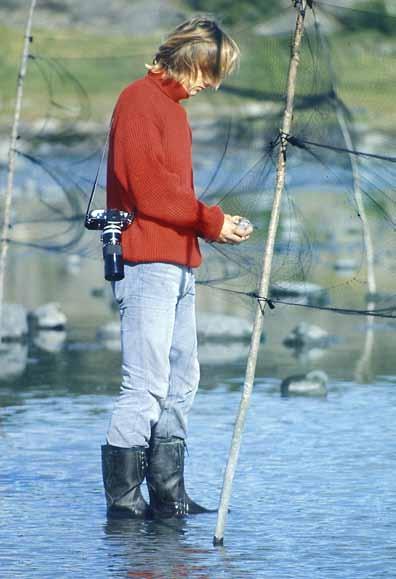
[(112, 222)]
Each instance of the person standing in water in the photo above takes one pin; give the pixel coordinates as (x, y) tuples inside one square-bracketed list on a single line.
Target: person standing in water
[(150, 174)]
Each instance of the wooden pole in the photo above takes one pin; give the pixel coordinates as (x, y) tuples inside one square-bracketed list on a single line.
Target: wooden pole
[(363, 373), (363, 366), (357, 191), (11, 159), (218, 539)]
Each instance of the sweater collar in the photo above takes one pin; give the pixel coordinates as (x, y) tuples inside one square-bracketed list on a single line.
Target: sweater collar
[(172, 88)]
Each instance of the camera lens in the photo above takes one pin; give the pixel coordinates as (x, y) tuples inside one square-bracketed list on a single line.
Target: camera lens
[(112, 252), (113, 263)]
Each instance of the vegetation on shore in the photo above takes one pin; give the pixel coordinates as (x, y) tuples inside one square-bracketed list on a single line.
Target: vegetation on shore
[(79, 75)]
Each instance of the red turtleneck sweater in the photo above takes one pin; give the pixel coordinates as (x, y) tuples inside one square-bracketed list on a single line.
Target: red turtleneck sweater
[(149, 172)]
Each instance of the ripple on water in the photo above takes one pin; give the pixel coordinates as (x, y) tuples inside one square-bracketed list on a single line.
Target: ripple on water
[(313, 494)]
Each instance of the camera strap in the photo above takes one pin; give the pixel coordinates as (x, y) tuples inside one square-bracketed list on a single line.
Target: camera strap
[(94, 185)]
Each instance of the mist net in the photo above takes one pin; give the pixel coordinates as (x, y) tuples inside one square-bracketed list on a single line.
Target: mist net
[(335, 244)]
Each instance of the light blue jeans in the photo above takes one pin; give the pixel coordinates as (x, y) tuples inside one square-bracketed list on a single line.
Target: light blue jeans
[(160, 370)]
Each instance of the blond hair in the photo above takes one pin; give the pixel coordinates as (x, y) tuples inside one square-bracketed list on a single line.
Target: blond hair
[(197, 46)]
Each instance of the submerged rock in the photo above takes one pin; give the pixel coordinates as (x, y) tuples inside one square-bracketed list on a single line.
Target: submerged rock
[(307, 336), (48, 317), (313, 383), (14, 322)]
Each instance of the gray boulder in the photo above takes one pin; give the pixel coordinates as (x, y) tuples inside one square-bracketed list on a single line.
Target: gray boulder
[(306, 336), (300, 292), (48, 317), (313, 383)]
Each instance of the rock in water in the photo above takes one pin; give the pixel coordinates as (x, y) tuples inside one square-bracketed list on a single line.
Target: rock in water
[(311, 384), (48, 317), (307, 336), (300, 293), (14, 322)]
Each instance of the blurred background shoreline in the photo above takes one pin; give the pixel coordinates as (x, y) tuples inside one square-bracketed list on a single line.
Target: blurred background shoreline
[(314, 493)]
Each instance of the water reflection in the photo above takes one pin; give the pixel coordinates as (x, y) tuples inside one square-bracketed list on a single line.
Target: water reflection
[(13, 359), (86, 357), (155, 549), (363, 371), (307, 356), (50, 340), (82, 364), (314, 493), (284, 513)]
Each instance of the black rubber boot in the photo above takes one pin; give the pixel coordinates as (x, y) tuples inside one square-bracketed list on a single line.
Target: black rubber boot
[(124, 470), (165, 479)]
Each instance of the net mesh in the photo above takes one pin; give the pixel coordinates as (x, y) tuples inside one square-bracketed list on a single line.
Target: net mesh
[(341, 149)]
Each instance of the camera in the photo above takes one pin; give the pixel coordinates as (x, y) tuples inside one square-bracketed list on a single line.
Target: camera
[(112, 222)]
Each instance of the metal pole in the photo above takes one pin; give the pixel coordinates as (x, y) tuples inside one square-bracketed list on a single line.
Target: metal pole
[(11, 159), (265, 278)]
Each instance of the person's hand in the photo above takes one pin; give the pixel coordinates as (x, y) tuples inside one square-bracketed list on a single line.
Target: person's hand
[(231, 233)]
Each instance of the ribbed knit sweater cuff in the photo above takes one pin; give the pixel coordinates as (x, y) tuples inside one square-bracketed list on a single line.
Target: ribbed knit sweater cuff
[(211, 222)]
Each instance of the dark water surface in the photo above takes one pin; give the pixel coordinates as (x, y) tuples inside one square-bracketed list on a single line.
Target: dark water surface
[(314, 494)]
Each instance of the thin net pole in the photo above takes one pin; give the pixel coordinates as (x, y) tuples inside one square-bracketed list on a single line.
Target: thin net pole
[(218, 539), (11, 159), (357, 191)]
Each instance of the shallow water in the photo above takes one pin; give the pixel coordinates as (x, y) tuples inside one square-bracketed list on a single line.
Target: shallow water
[(314, 490), (313, 495)]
